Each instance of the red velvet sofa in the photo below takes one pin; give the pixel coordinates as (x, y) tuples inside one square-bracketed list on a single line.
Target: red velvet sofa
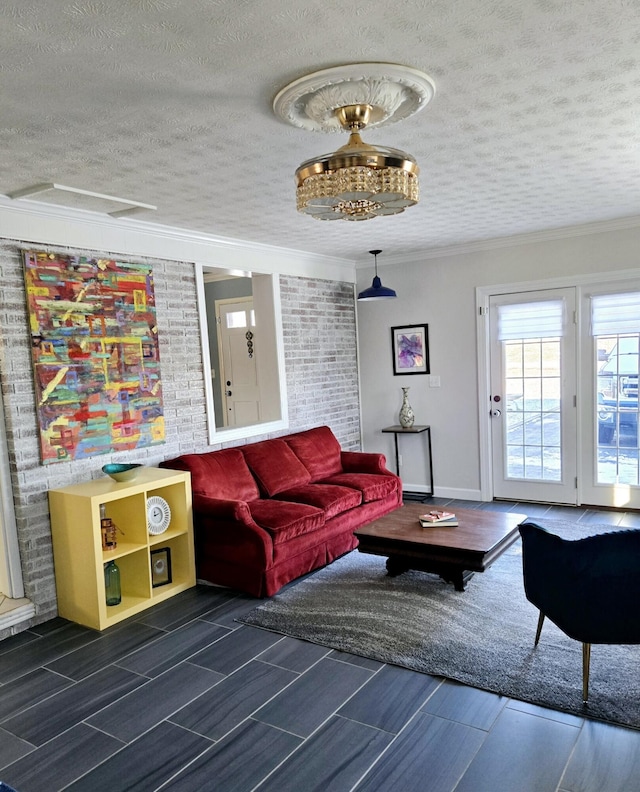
[(268, 512)]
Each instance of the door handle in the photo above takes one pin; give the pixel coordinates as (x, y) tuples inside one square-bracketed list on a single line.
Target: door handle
[(495, 413), (229, 393)]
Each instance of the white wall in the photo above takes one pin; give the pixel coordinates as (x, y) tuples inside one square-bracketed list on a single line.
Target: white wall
[(440, 291)]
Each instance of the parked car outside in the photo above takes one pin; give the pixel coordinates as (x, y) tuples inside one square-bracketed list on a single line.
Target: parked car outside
[(618, 391)]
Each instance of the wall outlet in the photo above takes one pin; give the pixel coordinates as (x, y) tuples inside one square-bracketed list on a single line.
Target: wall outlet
[(434, 381)]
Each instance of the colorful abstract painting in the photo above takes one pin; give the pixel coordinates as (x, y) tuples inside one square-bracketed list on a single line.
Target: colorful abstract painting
[(95, 355), (410, 349)]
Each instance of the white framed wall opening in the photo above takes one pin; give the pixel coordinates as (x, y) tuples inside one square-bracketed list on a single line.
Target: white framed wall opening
[(245, 355)]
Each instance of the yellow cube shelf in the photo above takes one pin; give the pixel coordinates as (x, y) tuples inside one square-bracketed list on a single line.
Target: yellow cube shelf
[(77, 544)]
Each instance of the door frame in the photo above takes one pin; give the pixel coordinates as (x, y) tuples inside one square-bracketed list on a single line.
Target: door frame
[(483, 352), (564, 489), (266, 291), (11, 582)]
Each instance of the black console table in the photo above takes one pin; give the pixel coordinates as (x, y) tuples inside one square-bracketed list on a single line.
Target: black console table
[(413, 430)]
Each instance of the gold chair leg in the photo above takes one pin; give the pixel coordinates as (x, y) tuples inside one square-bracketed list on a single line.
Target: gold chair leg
[(586, 658), (539, 630)]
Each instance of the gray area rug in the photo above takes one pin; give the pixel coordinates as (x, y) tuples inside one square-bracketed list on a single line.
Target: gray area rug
[(482, 637)]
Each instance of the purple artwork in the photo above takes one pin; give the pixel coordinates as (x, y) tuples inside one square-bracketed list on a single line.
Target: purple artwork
[(410, 349)]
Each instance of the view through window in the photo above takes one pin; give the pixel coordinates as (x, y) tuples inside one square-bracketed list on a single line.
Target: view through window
[(533, 389), (617, 408)]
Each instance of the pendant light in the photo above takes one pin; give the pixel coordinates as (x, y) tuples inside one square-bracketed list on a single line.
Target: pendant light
[(376, 291)]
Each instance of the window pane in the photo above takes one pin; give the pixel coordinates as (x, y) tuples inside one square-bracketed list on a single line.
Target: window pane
[(551, 394), (533, 430), (513, 359), (533, 409), (551, 430), (551, 358), (515, 428), (532, 359), (515, 461), (236, 319), (533, 462), (616, 412)]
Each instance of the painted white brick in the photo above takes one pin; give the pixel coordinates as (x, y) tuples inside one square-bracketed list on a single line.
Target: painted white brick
[(322, 388)]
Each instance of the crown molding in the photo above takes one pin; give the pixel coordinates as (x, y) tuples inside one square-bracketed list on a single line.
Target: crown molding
[(30, 221), (534, 237)]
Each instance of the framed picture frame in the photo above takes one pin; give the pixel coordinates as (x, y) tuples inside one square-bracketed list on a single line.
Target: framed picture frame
[(160, 566), (410, 345)]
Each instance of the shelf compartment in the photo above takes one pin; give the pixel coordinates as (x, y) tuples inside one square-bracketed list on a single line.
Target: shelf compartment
[(130, 516), (180, 508), (181, 566)]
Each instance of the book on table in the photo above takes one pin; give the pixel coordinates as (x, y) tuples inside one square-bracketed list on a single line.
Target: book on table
[(439, 518)]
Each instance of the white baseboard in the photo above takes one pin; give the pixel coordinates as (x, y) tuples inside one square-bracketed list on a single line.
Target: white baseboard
[(17, 615), (444, 492)]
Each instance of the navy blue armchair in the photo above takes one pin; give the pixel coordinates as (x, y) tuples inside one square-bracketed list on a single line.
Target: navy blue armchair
[(589, 588)]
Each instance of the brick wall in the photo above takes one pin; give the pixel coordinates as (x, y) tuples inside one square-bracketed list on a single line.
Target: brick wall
[(322, 387), (318, 319)]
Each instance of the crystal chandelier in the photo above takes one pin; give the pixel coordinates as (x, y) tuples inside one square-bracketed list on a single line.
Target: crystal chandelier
[(359, 181)]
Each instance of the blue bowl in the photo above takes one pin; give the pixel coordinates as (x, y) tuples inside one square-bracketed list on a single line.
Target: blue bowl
[(121, 472)]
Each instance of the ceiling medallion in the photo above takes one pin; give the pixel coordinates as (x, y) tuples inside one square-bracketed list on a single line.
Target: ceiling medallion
[(359, 181)]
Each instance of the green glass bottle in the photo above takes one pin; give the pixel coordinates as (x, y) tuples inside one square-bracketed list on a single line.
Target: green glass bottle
[(112, 583)]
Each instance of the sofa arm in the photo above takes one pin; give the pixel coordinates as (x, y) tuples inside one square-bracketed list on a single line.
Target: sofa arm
[(222, 509), (228, 526), (363, 462)]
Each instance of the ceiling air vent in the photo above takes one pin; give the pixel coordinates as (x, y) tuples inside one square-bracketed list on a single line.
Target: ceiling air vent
[(74, 198)]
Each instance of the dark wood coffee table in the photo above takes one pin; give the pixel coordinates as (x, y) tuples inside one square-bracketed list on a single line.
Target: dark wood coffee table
[(453, 553)]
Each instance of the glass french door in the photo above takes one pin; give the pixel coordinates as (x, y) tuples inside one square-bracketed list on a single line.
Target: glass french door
[(611, 356), (532, 405)]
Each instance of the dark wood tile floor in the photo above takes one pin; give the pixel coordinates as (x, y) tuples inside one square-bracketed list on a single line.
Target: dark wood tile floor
[(185, 698)]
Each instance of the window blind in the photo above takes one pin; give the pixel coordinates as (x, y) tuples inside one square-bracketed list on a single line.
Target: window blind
[(531, 320), (613, 314)]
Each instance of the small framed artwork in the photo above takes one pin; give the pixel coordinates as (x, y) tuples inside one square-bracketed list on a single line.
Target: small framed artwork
[(160, 566), (410, 349)]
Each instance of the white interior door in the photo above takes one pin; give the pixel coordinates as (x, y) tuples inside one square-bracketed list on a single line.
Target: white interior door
[(238, 346), (532, 408)]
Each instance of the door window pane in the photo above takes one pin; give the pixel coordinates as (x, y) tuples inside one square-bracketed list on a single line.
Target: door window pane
[(533, 408), (236, 319), (616, 419)]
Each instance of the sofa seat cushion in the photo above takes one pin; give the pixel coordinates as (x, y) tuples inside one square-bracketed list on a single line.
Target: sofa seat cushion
[(284, 520), (218, 474), (332, 499), (372, 486), (275, 466), (319, 451)]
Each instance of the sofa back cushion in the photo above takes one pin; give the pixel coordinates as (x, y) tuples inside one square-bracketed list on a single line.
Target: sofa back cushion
[(318, 450), (275, 466), (218, 474)]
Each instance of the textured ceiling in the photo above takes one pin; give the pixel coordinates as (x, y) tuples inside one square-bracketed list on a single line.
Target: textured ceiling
[(535, 123)]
